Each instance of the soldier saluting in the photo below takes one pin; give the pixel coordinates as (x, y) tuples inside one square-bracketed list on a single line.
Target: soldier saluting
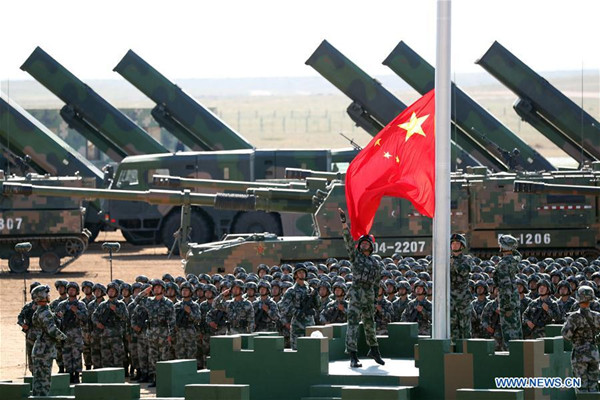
[(366, 274), (581, 328)]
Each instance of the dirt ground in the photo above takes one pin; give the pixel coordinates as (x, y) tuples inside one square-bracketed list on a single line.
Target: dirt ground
[(94, 265)]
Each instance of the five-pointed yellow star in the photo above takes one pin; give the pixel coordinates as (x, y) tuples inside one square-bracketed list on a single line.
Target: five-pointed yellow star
[(397, 160), (377, 142), (413, 126), (387, 155)]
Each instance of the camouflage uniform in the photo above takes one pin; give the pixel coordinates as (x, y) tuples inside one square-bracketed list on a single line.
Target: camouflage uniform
[(508, 296), (71, 325), (25, 318), (265, 321), (581, 328), (399, 305), (331, 314), (477, 329), (366, 274), (59, 344), (186, 328), (111, 339), (139, 319), (460, 297), (133, 338), (564, 306), (536, 314), (423, 318), (87, 349), (384, 316), (298, 309), (240, 314), (491, 319), (95, 336), (161, 324), (44, 349)]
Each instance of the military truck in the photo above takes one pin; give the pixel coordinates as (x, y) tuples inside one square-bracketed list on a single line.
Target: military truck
[(53, 226)]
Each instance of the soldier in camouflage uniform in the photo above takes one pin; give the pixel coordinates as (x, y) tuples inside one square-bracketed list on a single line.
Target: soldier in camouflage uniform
[(581, 328), (24, 321), (477, 329), (61, 288), (125, 291), (73, 315), (298, 305), (44, 349), (399, 305), (266, 312), (490, 321), (206, 329), (460, 296), (187, 315), (336, 311), (87, 289), (139, 328), (565, 301), (508, 295), (161, 326), (540, 312), (384, 311), (419, 309), (171, 293), (366, 273), (110, 317), (95, 332), (324, 293), (133, 335), (239, 311)]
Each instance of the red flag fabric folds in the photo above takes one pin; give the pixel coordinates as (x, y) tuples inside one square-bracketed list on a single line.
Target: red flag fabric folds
[(398, 162)]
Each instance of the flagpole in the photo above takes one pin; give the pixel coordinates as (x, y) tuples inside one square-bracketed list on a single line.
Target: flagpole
[(441, 221)]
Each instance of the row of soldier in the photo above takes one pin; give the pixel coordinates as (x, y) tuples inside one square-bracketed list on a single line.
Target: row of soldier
[(131, 327)]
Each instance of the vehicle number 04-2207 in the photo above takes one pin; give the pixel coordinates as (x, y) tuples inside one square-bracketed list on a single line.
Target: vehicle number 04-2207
[(410, 246)]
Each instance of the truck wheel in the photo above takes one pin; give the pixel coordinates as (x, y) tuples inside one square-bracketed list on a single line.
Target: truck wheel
[(17, 264), (257, 222), (201, 230), (49, 262)]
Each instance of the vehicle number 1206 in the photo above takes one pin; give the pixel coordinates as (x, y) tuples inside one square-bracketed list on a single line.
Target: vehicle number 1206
[(411, 247), (10, 223)]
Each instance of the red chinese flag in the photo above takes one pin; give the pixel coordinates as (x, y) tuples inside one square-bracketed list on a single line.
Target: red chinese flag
[(398, 162)]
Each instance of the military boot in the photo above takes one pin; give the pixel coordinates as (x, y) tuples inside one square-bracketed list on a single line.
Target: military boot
[(88, 367), (61, 369), (144, 378), (152, 379), (136, 376), (75, 378), (374, 354), (354, 362)]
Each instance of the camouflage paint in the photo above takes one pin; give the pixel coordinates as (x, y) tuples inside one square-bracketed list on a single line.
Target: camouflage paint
[(89, 107), (576, 126), (467, 114), (373, 106), (198, 128)]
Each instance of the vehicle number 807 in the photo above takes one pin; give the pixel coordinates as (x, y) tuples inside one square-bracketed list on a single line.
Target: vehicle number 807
[(10, 223), (411, 246)]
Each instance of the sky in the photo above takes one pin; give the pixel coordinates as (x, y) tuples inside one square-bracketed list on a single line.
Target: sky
[(264, 38)]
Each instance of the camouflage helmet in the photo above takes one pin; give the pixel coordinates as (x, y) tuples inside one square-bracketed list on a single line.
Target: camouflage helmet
[(142, 279), (344, 263), (585, 294), (566, 284), (168, 277), (73, 285), (341, 286), (158, 282), (288, 267), (180, 279), (239, 283), (366, 238), (264, 284), (172, 285), (33, 285), (186, 285), (522, 282), (344, 270), (211, 288), (251, 285), (205, 277), (323, 268), (136, 285), (113, 285), (60, 282), (459, 237), (89, 284), (325, 284), (262, 267), (582, 260), (483, 285), (239, 269), (544, 282), (331, 260), (420, 283), (101, 287), (405, 285), (287, 278), (508, 242), (40, 293), (299, 267), (390, 282), (127, 286)]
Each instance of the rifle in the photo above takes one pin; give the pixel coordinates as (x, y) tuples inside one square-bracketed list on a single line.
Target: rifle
[(68, 319), (182, 319), (307, 304), (220, 319), (106, 318), (261, 318), (352, 142)]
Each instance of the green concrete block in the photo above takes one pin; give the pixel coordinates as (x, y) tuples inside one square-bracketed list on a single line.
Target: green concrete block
[(489, 394), (339, 330), (14, 391), (431, 367), (217, 392), (588, 396), (204, 376), (60, 385), (379, 393), (400, 341), (269, 344), (222, 350), (363, 380), (28, 379), (107, 391), (103, 375), (321, 398), (172, 376), (553, 330), (554, 345), (52, 397)]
